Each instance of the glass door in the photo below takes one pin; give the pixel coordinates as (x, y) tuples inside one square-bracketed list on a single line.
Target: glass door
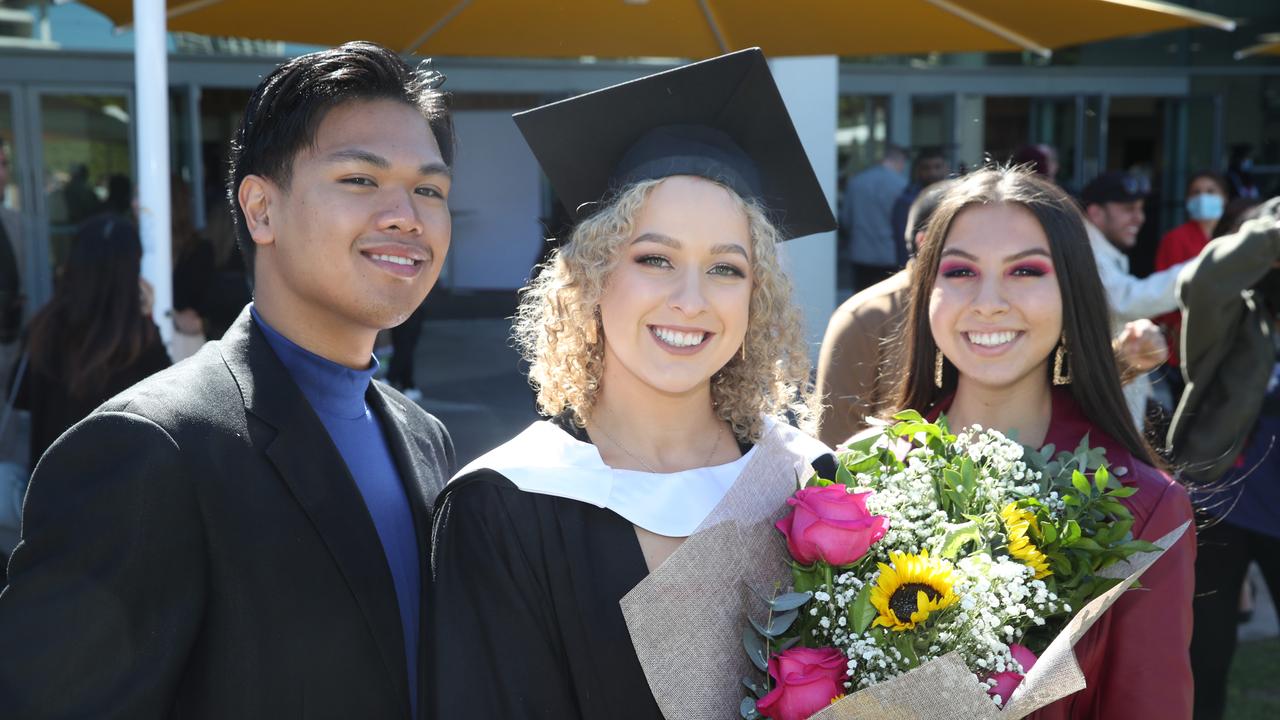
[(84, 152)]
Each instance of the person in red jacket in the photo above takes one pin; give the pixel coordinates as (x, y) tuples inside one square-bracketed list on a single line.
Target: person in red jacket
[(1206, 201), (1007, 329)]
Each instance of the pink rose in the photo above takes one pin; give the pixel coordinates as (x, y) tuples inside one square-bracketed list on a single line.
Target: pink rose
[(1008, 681), (807, 681), (830, 524)]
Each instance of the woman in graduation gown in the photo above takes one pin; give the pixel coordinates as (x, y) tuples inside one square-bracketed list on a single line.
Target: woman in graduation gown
[(665, 348), (1007, 329)]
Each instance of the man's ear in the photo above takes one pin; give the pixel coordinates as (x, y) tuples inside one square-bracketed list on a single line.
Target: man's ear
[(255, 196), (1096, 214)]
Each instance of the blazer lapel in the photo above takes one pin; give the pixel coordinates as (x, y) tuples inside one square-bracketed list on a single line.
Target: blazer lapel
[(420, 487), (316, 474)]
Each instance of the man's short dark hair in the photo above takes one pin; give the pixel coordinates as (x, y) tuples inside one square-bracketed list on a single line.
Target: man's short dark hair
[(285, 110), (895, 152), (928, 152), (922, 209)]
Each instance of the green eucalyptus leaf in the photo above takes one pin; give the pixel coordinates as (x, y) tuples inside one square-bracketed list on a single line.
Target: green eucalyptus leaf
[(748, 709), (790, 601), (760, 628), (754, 645), (788, 643), (782, 622)]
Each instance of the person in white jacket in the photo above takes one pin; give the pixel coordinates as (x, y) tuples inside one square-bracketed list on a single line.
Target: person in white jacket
[(1113, 206)]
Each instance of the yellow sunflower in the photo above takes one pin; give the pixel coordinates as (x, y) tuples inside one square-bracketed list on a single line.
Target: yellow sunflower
[(1018, 521), (912, 588)]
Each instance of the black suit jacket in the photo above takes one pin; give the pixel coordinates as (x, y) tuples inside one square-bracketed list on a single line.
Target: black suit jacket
[(196, 548)]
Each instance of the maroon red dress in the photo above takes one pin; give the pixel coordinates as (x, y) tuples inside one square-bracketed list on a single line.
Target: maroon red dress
[(1135, 658)]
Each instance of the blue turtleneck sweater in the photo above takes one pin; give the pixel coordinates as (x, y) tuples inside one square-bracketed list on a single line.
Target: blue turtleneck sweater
[(337, 394)]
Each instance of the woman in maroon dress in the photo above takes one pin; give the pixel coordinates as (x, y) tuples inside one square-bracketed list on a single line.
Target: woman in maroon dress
[(1008, 329)]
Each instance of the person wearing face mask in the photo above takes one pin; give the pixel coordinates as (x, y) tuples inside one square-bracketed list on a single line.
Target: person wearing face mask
[(1114, 214), (1206, 200)]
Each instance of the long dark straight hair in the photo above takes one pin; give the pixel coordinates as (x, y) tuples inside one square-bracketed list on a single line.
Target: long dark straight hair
[(1095, 377), (94, 324)]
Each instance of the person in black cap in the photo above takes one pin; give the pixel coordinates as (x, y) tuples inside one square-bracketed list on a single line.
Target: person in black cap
[(1113, 207), (665, 349)]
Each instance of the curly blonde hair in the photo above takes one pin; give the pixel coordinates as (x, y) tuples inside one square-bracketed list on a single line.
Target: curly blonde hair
[(558, 329)]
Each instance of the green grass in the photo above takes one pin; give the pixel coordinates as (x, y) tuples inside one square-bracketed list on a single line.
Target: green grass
[(1253, 692)]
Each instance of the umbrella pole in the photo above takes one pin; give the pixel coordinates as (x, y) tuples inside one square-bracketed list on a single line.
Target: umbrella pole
[(151, 76)]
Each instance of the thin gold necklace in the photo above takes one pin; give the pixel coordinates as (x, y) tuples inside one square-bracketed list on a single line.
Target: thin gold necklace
[(645, 465)]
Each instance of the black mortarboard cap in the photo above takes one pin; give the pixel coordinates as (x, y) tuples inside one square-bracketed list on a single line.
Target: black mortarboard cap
[(722, 119)]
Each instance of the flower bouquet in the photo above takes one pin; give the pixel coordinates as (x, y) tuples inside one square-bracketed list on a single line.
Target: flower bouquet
[(942, 575)]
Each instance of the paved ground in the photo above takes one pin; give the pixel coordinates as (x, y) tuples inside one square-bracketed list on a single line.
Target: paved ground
[(469, 377)]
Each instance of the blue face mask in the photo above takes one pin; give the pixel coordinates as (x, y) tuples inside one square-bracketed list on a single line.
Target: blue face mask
[(1205, 206)]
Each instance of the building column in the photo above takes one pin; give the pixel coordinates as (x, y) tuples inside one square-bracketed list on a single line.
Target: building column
[(809, 87), (151, 75)]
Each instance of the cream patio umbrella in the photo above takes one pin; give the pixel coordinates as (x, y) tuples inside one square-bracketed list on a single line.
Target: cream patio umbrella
[(1268, 45), (679, 28), (601, 28)]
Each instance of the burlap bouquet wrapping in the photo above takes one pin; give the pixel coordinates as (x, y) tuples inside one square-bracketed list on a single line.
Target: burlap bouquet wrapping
[(687, 617)]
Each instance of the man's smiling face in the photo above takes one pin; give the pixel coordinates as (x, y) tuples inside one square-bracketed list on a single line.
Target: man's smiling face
[(359, 234)]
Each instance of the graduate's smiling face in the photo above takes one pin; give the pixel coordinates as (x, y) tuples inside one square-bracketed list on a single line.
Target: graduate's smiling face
[(358, 236), (675, 308), (996, 308)]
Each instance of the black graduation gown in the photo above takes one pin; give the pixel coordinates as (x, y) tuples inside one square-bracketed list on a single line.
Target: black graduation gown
[(525, 605), (526, 621)]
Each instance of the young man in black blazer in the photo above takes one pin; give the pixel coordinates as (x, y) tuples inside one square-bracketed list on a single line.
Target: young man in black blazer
[(244, 535)]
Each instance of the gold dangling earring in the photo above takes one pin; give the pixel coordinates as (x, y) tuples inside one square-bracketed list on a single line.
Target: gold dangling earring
[(937, 368), (742, 352), (1061, 369)]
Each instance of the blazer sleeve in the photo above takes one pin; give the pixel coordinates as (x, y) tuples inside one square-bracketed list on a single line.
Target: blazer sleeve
[(1147, 666), (848, 366), (494, 648), (105, 588), (1210, 285)]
